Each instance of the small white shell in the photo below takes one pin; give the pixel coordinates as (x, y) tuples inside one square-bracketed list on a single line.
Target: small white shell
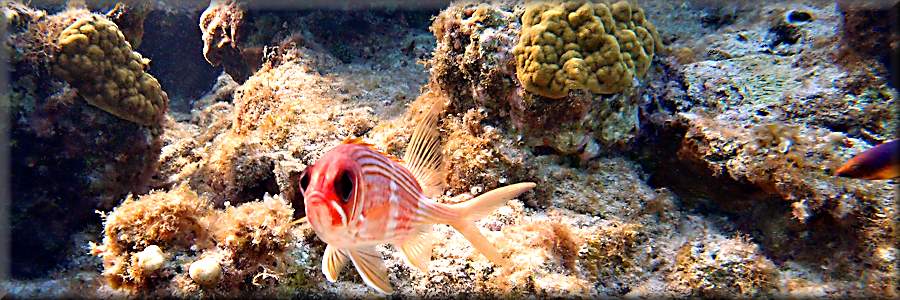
[(151, 258), (206, 271)]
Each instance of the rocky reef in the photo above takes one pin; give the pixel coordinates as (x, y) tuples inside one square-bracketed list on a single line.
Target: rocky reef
[(692, 160), (75, 148)]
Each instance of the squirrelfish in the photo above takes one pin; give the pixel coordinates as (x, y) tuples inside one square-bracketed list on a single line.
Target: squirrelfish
[(880, 162), (358, 197)]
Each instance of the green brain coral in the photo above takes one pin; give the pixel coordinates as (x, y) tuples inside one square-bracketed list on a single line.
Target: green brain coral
[(580, 45), (96, 59)]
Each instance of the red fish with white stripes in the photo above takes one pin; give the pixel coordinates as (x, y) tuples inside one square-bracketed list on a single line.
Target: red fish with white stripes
[(358, 197)]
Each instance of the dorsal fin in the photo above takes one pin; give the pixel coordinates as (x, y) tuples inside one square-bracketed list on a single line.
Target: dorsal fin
[(356, 141), (423, 153), (359, 141)]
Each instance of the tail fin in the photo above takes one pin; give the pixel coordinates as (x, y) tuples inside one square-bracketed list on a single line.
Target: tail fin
[(479, 207)]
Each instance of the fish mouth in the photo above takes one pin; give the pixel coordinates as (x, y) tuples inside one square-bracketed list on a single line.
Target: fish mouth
[(848, 170)]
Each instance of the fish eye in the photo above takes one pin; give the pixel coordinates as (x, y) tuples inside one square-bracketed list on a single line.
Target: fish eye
[(343, 186), (304, 180)]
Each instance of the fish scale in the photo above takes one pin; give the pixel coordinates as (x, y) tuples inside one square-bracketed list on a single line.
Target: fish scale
[(386, 213)]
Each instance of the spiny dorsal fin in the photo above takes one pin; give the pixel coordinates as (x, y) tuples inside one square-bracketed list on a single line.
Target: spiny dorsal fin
[(359, 141), (423, 153)]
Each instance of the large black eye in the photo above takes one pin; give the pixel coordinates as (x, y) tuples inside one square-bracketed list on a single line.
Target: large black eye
[(343, 186), (304, 180)]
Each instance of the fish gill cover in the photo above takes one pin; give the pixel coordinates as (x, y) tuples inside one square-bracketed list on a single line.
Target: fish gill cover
[(707, 171)]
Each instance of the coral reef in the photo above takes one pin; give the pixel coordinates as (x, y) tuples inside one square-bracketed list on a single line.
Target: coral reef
[(479, 65), (97, 60), (726, 191), (770, 118), (594, 46)]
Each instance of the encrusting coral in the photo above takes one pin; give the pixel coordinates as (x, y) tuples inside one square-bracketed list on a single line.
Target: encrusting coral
[(96, 59), (175, 219), (577, 45)]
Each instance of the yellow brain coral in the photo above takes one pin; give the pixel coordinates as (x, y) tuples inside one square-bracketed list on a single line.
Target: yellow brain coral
[(577, 45), (96, 59)]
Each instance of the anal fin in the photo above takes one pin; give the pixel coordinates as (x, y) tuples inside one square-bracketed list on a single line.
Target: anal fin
[(371, 268), (416, 250)]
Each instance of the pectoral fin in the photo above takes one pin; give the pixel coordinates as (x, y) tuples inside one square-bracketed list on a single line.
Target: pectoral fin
[(371, 268), (333, 261)]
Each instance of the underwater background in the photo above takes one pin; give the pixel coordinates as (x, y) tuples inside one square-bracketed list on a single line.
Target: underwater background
[(680, 148)]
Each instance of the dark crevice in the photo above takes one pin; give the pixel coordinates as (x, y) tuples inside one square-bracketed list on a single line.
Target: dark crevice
[(543, 150), (173, 42), (262, 186), (796, 16), (294, 194)]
